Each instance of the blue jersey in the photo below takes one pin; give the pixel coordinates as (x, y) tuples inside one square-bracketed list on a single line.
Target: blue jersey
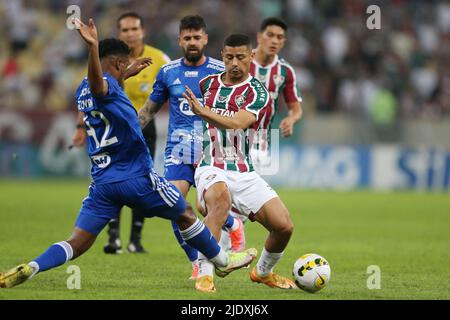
[(185, 128), (116, 145)]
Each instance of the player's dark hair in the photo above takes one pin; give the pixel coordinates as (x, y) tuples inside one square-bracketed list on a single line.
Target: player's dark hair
[(130, 14), (112, 46), (195, 22), (237, 40), (273, 21)]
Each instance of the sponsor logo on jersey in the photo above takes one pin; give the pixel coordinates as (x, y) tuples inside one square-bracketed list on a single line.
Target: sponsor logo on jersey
[(177, 81), (215, 67), (101, 160), (171, 66), (221, 99), (191, 73), (224, 112), (185, 108)]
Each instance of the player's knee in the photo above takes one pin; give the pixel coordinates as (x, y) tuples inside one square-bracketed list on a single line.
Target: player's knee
[(285, 227)]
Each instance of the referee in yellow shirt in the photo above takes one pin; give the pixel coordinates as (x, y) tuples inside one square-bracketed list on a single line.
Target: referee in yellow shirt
[(137, 88)]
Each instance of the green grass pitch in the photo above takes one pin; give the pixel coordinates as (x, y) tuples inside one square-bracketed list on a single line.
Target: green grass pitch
[(406, 234)]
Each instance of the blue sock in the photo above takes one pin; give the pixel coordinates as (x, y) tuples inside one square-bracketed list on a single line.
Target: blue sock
[(229, 222), (192, 253), (199, 237), (56, 255)]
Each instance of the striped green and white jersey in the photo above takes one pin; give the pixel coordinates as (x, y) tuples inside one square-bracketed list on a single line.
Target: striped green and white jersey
[(279, 78), (229, 149)]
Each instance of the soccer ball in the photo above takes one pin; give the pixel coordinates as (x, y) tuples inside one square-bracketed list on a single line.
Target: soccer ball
[(311, 272)]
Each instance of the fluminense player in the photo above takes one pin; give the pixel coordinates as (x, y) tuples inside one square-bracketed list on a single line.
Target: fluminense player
[(234, 103), (122, 168), (185, 128), (278, 77)]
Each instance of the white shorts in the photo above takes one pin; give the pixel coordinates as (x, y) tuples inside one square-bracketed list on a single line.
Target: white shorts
[(249, 192)]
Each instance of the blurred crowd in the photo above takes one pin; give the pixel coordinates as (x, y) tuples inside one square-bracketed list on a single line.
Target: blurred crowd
[(399, 71)]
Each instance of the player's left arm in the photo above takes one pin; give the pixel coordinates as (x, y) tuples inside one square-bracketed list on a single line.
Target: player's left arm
[(293, 102), (136, 67), (98, 85), (243, 119), (294, 115)]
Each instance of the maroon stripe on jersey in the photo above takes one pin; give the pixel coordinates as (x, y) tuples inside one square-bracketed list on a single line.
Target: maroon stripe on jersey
[(213, 90)]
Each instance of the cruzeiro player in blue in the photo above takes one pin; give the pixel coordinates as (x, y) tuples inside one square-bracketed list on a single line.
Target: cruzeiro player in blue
[(185, 128), (122, 169)]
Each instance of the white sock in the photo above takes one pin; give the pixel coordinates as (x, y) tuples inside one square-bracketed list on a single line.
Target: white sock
[(235, 225), (225, 241), (221, 260), (205, 267), (35, 267), (267, 262)]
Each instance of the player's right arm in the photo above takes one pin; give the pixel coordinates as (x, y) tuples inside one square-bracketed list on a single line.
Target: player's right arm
[(158, 97), (79, 136), (97, 85), (148, 112)]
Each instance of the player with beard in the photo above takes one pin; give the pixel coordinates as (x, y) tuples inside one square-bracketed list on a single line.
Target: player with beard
[(185, 128)]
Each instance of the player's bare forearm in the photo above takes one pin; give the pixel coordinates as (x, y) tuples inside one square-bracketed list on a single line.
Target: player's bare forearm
[(295, 110), (97, 84), (241, 120), (287, 124), (80, 117), (148, 112), (136, 67), (88, 32)]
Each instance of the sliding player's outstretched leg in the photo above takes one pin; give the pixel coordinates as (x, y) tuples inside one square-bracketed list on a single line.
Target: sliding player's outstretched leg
[(56, 255)]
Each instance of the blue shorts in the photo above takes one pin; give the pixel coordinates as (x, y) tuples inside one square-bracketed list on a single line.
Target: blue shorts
[(180, 171), (152, 194)]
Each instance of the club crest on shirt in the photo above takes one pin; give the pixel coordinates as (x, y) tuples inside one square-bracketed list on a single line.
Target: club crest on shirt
[(239, 100), (278, 79)]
